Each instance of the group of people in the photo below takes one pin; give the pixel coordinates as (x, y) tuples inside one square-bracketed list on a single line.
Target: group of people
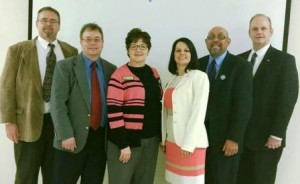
[(220, 119)]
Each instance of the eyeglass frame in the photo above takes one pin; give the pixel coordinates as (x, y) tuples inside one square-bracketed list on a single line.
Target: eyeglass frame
[(219, 37), (141, 47), (91, 40), (45, 21)]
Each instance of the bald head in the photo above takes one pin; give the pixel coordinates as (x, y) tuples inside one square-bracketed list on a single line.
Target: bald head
[(217, 41), (219, 29)]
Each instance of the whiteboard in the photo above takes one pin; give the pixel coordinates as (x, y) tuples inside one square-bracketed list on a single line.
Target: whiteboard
[(165, 21)]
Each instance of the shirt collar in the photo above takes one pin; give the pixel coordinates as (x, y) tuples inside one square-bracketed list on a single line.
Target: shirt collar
[(219, 59), (261, 52), (44, 43), (88, 62)]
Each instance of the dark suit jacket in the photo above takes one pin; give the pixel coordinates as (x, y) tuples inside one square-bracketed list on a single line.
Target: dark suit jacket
[(21, 96), (275, 92), (230, 101), (70, 100)]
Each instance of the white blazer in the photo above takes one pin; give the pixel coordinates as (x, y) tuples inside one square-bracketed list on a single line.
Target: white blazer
[(189, 100)]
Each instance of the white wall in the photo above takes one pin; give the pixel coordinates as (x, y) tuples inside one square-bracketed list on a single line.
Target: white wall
[(289, 166), (165, 20), (13, 18), (14, 21)]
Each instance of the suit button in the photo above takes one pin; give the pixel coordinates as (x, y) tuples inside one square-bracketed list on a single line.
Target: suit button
[(87, 127), (89, 115)]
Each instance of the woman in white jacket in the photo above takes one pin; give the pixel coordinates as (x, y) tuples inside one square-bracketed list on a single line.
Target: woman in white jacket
[(185, 99)]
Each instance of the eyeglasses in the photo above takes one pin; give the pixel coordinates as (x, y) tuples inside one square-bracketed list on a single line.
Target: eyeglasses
[(219, 37), (45, 21), (135, 47), (90, 40)]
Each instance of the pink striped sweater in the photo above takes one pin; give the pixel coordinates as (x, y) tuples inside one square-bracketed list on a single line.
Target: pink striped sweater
[(125, 106)]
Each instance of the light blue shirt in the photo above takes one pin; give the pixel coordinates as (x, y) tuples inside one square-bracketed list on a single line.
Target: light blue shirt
[(219, 62), (101, 79)]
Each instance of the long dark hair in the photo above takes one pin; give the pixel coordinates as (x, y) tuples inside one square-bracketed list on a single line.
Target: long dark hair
[(194, 57)]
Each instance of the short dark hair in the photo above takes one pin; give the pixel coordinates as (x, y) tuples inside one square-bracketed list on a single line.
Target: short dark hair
[(194, 57), (91, 26), (135, 34), (261, 15), (49, 8)]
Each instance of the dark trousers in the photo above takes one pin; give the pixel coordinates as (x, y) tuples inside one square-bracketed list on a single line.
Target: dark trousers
[(31, 156), (258, 167), (89, 164), (220, 169)]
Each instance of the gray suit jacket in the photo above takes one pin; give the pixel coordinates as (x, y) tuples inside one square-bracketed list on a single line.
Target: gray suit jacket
[(21, 99), (70, 100)]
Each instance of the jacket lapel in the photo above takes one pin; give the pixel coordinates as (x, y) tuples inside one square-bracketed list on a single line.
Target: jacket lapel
[(80, 75), (263, 67), (67, 51), (105, 68), (183, 80), (224, 72), (204, 64), (30, 58)]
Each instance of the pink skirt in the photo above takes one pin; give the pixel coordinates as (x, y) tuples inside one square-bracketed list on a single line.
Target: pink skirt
[(184, 170)]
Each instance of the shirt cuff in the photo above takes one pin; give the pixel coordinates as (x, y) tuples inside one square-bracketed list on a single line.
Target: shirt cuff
[(277, 138)]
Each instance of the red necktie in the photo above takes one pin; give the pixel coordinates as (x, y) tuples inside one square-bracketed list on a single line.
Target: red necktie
[(96, 99)]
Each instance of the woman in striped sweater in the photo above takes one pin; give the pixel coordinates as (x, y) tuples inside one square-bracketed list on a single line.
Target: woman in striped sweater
[(134, 113)]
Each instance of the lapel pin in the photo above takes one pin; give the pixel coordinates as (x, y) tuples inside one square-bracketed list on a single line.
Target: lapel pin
[(222, 77)]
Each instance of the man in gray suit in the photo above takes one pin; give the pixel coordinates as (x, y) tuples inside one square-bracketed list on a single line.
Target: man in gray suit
[(79, 86), (24, 107)]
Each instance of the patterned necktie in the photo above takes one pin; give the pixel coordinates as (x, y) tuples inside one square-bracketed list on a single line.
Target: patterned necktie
[(253, 58), (96, 99), (211, 72), (51, 61)]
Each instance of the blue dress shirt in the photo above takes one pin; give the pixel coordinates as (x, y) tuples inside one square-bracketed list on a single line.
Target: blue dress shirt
[(101, 79)]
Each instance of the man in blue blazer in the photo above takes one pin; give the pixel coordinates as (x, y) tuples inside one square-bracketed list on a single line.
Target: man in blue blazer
[(229, 107), (275, 91), (80, 144)]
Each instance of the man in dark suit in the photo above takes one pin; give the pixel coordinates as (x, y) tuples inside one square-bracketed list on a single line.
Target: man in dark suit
[(79, 111), (24, 106), (275, 91), (229, 107)]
